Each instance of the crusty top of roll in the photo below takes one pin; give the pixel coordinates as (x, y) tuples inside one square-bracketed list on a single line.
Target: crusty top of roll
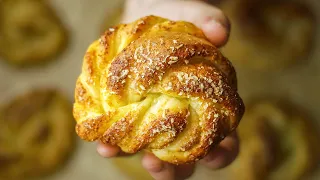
[(157, 85)]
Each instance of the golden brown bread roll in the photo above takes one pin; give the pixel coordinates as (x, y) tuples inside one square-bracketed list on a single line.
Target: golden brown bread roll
[(157, 85), (30, 32), (268, 34), (36, 134), (277, 142)]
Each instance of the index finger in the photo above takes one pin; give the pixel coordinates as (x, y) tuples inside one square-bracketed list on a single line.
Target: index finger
[(224, 154), (109, 151)]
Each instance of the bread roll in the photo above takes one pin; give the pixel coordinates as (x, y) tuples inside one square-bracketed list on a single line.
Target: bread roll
[(159, 86), (30, 32), (36, 134), (269, 34), (277, 142)]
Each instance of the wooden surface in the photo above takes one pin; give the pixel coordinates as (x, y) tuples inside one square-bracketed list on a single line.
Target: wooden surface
[(84, 19)]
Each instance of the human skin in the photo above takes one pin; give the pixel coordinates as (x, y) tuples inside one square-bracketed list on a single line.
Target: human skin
[(216, 27)]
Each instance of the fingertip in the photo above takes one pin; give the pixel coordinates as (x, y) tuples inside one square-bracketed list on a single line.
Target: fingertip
[(216, 159), (217, 31), (158, 169), (234, 143), (203, 14), (152, 163), (224, 154), (184, 171), (107, 151)]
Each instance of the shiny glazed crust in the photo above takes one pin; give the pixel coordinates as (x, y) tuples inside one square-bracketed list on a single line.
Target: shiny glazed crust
[(36, 134), (269, 34), (30, 32), (286, 139), (157, 85)]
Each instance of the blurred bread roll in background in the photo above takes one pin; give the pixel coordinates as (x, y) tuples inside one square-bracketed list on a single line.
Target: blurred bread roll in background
[(269, 34), (36, 134), (31, 33), (278, 141)]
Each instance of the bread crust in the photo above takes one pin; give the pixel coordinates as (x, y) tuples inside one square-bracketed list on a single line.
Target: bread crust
[(157, 85)]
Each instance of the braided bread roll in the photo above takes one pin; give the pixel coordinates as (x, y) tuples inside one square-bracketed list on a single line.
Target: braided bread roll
[(157, 85)]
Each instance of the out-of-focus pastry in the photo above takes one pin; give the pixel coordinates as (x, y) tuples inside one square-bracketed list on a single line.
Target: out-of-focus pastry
[(277, 142), (30, 32), (255, 151), (36, 134), (157, 85), (268, 34)]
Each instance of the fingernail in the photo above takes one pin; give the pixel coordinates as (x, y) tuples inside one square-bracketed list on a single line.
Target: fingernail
[(102, 151), (107, 151), (222, 22), (214, 24)]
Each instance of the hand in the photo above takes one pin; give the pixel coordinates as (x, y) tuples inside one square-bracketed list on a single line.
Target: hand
[(209, 18), (216, 27), (219, 157)]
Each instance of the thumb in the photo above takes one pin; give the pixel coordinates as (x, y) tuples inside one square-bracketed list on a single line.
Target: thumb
[(209, 18)]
